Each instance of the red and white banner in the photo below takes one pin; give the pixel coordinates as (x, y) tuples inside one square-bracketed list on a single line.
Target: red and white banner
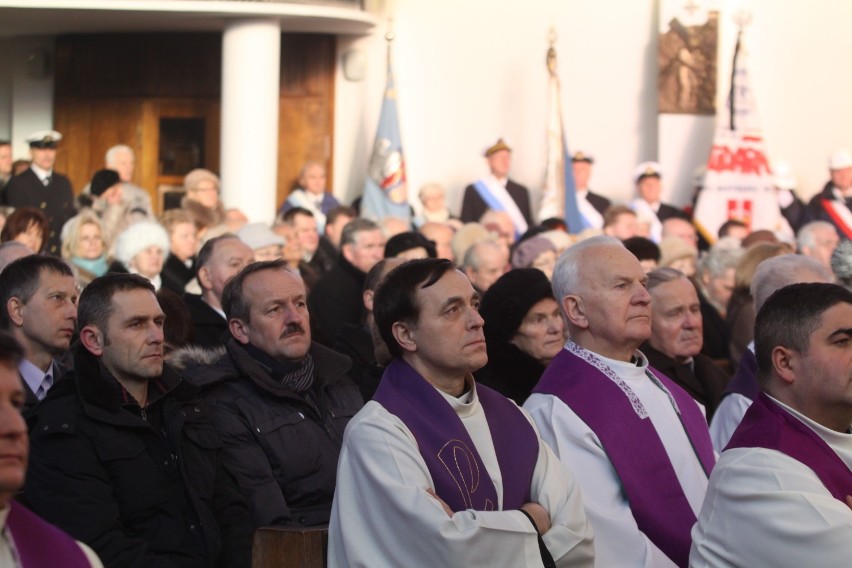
[(738, 183)]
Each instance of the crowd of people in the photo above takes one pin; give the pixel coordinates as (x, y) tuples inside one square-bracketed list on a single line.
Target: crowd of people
[(471, 390)]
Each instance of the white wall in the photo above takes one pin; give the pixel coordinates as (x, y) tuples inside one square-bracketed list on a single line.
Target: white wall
[(468, 72), (26, 90)]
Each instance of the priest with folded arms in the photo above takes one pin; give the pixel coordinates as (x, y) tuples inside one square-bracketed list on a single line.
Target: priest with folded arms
[(637, 442), (437, 470), (781, 493)]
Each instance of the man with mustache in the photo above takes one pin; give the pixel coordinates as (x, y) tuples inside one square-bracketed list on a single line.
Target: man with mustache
[(123, 455), (638, 443), (38, 305), (677, 335), (280, 401)]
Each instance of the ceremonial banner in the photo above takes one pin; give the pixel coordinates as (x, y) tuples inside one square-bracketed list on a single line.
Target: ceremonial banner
[(738, 183), (559, 194), (386, 192)]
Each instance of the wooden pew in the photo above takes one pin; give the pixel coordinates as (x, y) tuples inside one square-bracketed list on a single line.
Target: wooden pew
[(290, 547)]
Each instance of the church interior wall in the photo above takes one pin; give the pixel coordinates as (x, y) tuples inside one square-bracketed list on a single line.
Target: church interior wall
[(469, 72)]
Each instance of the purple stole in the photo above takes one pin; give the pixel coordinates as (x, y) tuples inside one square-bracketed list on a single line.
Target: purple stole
[(608, 406), (41, 544), (744, 381), (460, 477), (767, 425)]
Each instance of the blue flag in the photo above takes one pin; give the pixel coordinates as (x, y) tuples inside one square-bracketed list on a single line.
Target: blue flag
[(386, 192)]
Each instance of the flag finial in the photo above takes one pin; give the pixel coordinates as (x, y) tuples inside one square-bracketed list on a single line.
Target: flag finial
[(389, 35), (742, 18), (551, 52)]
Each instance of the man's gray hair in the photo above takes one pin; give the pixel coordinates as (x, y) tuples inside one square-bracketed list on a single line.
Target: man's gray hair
[(566, 274), (719, 259), (774, 273), (663, 275), (109, 158), (841, 264), (473, 256), (350, 231), (806, 237)]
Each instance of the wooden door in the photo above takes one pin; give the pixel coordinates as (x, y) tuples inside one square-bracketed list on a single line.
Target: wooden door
[(306, 109)]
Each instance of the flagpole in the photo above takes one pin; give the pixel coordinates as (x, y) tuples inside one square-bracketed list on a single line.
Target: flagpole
[(742, 18)]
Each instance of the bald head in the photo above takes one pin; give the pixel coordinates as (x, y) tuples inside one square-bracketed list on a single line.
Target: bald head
[(680, 228)]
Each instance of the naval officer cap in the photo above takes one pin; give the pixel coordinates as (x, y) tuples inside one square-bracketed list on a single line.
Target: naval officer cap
[(580, 156), (497, 147), (44, 139), (646, 169)]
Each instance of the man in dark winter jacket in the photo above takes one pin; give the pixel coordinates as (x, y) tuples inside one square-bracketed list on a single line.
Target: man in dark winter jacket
[(280, 401), (124, 456)]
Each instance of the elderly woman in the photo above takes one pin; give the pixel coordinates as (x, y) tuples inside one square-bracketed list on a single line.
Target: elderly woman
[(84, 248), (714, 280), (141, 249), (523, 332), (183, 244), (740, 314), (28, 226), (535, 252), (263, 241), (202, 197)]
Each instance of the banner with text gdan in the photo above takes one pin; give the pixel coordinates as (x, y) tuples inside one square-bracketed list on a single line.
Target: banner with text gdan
[(738, 183)]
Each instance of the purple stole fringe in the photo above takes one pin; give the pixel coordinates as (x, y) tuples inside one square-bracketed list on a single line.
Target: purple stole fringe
[(744, 381), (460, 477), (633, 446), (40, 544), (767, 425)]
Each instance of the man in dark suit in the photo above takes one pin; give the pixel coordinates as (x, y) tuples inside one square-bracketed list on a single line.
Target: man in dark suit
[(38, 305), (42, 188), (592, 206), (647, 204), (219, 260), (834, 202), (496, 191), (674, 347)]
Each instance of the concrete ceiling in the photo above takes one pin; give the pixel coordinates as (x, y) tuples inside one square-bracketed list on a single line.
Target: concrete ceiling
[(53, 17)]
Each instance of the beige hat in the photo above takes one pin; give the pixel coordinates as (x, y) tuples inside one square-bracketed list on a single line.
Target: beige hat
[(675, 248)]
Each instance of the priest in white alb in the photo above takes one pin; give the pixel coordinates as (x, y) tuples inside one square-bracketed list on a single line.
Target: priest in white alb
[(437, 470), (637, 442), (781, 493)]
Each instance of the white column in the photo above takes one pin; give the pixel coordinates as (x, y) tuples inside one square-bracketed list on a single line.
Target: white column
[(251, 54)]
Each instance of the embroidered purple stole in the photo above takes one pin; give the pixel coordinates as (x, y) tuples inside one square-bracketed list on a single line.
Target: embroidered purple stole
[(744, 381), (607, 405), (767, 425), (40, 544), (460, 477)]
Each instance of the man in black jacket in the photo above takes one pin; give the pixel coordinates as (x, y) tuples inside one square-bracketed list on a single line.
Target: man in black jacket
[(336, 299), (124, 457), (218, 261), (674, 347), (280, 401)]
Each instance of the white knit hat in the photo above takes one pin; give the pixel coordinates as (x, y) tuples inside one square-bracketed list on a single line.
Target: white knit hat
[(139, 236)]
